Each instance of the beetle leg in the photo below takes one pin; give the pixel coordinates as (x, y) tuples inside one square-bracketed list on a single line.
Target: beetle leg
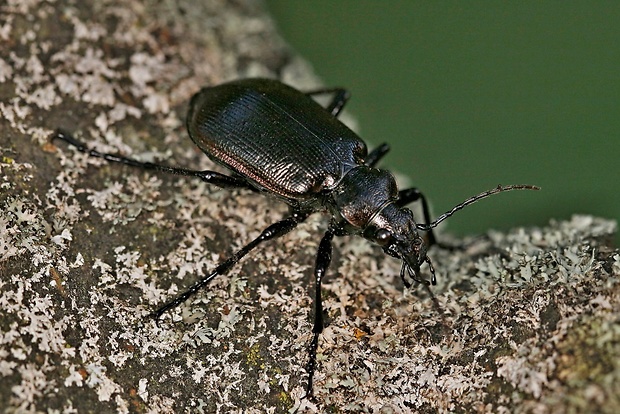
[(410, 195), (211, 177), (323, 258), (274, 231), (375, 155), (341, 96)]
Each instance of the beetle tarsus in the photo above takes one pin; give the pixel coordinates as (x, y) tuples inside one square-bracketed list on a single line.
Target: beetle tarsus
[(311, 365)]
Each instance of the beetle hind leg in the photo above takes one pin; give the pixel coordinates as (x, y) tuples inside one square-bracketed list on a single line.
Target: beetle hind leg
[(211, 177)]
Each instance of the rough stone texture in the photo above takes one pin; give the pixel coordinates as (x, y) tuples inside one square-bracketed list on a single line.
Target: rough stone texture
[(523, 322)]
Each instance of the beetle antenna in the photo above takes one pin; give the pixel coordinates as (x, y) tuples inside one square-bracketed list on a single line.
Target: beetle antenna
[(472, 200)]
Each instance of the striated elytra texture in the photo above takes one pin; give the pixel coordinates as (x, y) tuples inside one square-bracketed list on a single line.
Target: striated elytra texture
[(528, 320), (234, 123)]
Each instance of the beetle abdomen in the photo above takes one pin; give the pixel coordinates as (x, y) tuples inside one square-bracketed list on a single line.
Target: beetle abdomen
[(277, 137)]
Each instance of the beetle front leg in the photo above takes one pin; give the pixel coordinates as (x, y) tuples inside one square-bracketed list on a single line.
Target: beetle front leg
[(323, 259), (410, 195), (211, 177)]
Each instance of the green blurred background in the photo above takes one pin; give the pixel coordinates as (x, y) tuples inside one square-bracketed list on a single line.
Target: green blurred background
[(473, 94)]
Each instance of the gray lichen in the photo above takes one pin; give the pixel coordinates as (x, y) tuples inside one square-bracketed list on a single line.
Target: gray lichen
[(525, 321)]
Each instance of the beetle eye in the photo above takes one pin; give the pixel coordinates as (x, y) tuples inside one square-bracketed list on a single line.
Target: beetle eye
[(383, 237)]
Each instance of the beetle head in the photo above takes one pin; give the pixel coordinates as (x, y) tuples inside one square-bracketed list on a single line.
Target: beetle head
[(366, 199), (394, 229)]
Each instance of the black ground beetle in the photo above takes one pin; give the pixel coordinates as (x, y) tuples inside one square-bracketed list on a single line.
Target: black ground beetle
[(279, 141)]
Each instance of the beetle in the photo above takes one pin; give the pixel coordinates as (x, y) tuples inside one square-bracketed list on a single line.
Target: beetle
[(279, 141)]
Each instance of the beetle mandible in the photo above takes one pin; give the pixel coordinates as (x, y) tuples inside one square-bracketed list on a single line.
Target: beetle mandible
[(281, 142)]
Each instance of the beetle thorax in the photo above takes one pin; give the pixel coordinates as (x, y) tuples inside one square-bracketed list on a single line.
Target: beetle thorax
[(362, 194)]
